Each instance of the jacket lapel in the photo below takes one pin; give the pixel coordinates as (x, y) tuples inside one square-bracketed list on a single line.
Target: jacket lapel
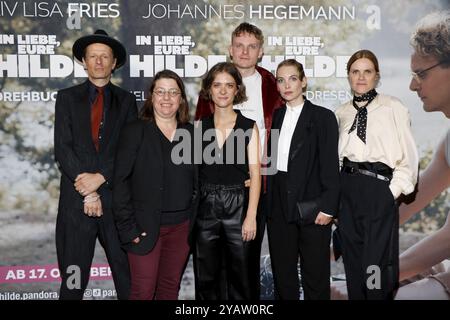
[(301, 130), (151, 138), (277, 121), (83, 106), (111, 117)]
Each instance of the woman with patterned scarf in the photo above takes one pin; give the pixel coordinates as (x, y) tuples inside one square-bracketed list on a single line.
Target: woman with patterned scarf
[(379, 162)]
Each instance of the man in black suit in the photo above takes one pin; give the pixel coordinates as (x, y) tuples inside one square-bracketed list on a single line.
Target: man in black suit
[(303, 194), (88, 121)]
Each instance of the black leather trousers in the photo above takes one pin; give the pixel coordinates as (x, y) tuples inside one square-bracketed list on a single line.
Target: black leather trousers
[(219, 221)]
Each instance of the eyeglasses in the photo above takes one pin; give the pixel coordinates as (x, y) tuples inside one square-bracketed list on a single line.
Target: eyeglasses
[(161, 92), (420, 76)]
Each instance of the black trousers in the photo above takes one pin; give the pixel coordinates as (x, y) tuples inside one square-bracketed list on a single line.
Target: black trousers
[(288, 241), (76, 235), (255, 249), (218, 228), (368, 222)]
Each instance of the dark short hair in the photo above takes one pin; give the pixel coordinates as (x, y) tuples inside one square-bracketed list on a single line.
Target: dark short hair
[(297, 65), (147, 111), (363, 54), (229, 68), (245, 27)]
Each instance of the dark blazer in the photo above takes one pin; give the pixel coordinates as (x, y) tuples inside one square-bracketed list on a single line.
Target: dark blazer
[(138, 185), (313, 166), (75, 152)]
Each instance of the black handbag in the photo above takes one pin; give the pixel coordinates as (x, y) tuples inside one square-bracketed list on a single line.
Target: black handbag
[(337, 244), (307, 211)]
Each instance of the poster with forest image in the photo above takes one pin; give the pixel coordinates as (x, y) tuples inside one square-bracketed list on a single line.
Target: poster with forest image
[(188, 37)]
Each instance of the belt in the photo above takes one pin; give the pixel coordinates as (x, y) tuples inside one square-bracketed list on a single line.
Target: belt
[(353, 170), (205, 186)]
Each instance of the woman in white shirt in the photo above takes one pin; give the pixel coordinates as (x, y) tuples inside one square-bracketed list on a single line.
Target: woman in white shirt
[(379, 162), (303, 195)]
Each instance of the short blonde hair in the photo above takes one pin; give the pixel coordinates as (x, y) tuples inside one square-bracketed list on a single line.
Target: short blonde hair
[(245, 27)]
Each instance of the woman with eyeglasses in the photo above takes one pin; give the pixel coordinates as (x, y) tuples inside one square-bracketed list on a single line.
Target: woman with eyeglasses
[(154, 194), (225, 225), (379, 162)]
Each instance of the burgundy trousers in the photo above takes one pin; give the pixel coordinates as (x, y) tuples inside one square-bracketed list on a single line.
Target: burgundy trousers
[(157, 275)]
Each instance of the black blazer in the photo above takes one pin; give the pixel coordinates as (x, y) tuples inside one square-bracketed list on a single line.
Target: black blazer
[(313, 166), (138, 185), (75, 151)]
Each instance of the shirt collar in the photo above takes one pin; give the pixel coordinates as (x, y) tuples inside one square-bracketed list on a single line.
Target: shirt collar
[(254, 77), (295, 109), (93, 92)]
